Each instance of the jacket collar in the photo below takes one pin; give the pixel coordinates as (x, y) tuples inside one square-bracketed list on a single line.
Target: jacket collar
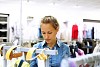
[(58, 43)]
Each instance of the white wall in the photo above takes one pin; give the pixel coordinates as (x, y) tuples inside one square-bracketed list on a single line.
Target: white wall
[(37, 10), (14, 10)]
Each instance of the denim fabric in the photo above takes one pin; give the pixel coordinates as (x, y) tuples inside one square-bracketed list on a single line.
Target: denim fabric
[(54, 60)]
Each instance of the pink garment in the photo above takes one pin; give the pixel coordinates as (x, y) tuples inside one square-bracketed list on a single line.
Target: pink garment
[(79, 53), (84, 34), (72, 63)]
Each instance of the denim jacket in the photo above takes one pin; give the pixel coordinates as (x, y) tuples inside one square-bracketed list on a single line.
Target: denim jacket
[(54, 60)]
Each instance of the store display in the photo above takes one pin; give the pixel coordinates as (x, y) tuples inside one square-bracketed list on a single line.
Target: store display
[(4, 27)]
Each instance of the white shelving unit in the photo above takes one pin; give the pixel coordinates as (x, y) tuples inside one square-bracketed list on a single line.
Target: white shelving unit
[(4, 33)]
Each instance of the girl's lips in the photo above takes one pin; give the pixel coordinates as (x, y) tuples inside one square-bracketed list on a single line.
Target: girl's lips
[(47, 39)]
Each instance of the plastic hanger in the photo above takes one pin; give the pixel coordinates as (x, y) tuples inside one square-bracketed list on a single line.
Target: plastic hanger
[(30, 53), (10, 53), (40, 56), (1, 48)]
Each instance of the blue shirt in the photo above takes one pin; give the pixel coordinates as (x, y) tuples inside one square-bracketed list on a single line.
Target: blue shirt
[(54, 60)]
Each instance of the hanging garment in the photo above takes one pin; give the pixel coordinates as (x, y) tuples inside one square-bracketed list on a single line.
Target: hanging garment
[(89, 35), (71, 63), (84, 34), (74, 32), (96, 50), (20, 63), (66, 36), (1, 62), (92, 32), (79, 53), (73, 49), (65, 62), (40, 33)]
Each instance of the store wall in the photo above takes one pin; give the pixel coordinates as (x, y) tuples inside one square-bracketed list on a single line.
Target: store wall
[(37, 10), (63, 14), (13, 9)]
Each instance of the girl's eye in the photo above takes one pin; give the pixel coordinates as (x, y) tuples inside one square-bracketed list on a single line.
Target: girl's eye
[(49, 32), (43, 32)]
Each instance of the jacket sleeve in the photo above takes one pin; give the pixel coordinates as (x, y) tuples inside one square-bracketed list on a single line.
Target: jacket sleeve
[(68, 51)]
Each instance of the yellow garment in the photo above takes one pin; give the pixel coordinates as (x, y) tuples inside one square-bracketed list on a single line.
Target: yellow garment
[(1, 49), (30, 53), (9, 53), (40, 56), (25, 64)]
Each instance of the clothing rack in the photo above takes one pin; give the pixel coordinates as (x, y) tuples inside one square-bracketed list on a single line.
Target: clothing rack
[(88, 58), (23, 49)]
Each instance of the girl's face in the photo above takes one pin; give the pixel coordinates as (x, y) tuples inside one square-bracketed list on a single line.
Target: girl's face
[(48, 32)]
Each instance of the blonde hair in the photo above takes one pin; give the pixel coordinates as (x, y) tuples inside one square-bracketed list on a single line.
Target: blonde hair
[(52, 20)]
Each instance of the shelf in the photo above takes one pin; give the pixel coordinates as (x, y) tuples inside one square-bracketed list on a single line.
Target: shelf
[(3, 30), (3, 38), (3, 22)]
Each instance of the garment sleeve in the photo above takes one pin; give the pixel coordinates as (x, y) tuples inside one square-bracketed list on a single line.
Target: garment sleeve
[(68, 51)]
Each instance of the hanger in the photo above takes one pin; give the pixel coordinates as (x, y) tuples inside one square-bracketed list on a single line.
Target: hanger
[(1, 48), (30, 53), (10, 54), (40, 56)]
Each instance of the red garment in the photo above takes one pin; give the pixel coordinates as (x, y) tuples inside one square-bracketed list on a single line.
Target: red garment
[(75, 32)]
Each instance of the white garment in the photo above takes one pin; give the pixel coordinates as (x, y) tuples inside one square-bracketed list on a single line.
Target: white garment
[(97, 49), (1, 62), (65, 62), (66, 36), (41, 63)]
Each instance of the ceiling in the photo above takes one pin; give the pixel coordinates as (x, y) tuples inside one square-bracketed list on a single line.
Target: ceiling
[(87, 4)]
